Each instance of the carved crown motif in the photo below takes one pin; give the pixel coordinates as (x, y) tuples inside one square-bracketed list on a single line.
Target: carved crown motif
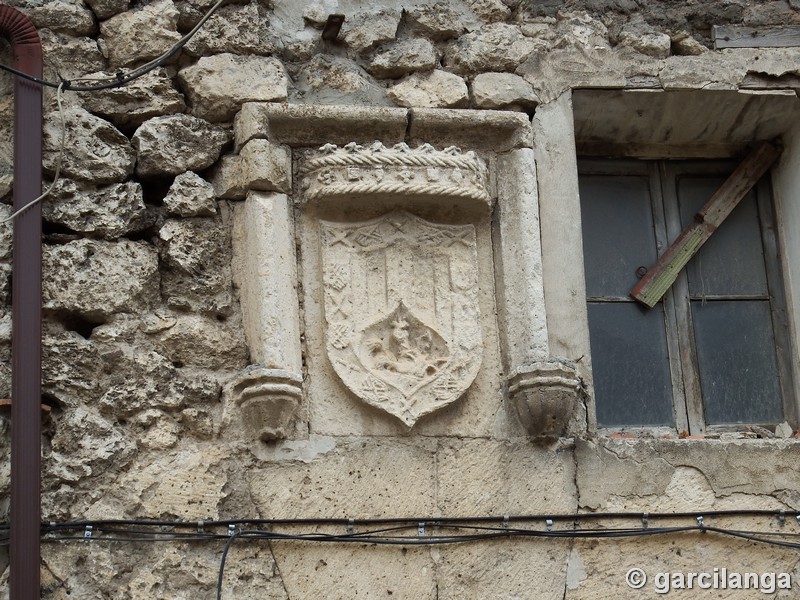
[(356, 170)]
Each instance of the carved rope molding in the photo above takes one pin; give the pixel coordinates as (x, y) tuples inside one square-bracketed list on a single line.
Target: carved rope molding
[(356, 170)]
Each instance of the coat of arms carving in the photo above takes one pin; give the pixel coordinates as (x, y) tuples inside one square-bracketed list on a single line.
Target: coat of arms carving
[(401, 309)]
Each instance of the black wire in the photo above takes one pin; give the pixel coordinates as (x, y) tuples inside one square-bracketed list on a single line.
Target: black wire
[(120, 79), (225, 551)]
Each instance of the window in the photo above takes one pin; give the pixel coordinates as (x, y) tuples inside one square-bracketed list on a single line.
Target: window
[(714, 350)]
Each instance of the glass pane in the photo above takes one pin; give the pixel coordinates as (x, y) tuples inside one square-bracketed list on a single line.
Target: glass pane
[(618, 235), (630, 365), (736, 355), (732, 261)]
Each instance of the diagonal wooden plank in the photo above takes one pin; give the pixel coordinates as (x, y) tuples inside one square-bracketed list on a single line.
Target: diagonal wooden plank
[(662, 275)]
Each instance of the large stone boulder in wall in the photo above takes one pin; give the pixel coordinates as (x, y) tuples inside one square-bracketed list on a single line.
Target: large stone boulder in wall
[(107, 212), (218, 85), (132, 104), (495, 47), (93, 151), (196, 259), (95, 279), (139, 35), (67, 16), (176, 143), (191, 196), (236, 28)]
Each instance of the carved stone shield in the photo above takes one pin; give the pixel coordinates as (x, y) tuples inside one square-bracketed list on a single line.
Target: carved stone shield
[(401, 309)]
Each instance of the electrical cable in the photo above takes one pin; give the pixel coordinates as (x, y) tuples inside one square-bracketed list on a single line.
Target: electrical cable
[(409, 531), (121, 78), (57, 174)]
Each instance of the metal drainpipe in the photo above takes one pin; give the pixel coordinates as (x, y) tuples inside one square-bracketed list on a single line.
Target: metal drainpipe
[(26, 345)]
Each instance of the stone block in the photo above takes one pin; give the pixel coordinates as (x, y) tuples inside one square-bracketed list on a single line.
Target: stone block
[(336, 80), (189, 484), (142, 34), (97, 279), (522, 569), (64, 16), (366, 30), (402, 58), (236, 29), (439, 21), (173, 144), (149, 96), (71, 369), (104, 9), (196, 272), (218, 85), (357, 571), (89, 444), (359, 478), (260, 165), (685, 474), (497, 131), (191, 196), (68, 57), (559, 70), (503, 90), (309, 125), (519, 486), (494, 47), (436, 89), (108, 212), (145, 380), (94, 150), (206, 343)]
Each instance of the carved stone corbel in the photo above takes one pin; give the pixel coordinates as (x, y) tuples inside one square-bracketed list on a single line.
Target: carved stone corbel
[(543, 390), (267, 401), (545, 395), (268, 394)]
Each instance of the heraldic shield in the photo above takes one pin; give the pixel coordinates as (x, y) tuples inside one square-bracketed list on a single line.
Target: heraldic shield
[(401, 309)]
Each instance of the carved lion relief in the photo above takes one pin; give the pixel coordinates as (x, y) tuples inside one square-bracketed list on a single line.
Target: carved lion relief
[(401, 308)]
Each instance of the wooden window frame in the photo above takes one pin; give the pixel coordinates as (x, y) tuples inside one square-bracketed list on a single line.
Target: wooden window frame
[(687, 400)]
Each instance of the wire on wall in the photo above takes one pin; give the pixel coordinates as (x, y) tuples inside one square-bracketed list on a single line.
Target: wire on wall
[(121, 78), (423, 531), (59, 159)]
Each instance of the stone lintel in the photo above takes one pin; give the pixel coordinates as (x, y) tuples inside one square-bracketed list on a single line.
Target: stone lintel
[(498, 131), (312, 125), (375, 172)]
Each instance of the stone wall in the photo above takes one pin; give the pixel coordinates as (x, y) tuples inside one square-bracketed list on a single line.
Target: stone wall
[(187, 366)]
